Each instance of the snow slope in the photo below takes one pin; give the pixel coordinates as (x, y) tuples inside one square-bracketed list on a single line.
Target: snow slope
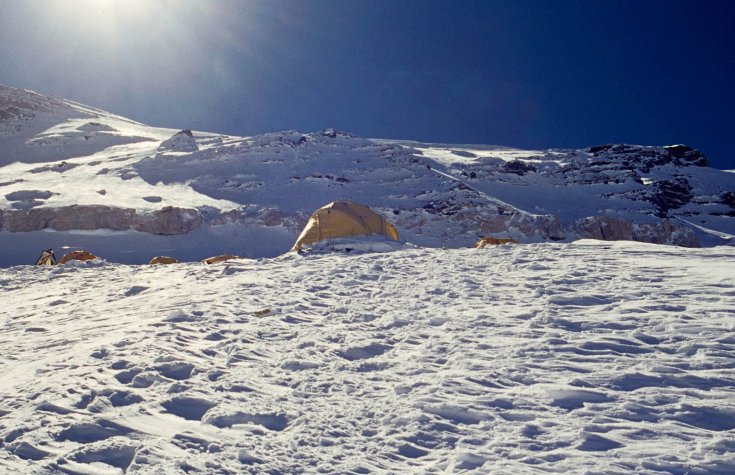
[(588, 357), (76, 177)]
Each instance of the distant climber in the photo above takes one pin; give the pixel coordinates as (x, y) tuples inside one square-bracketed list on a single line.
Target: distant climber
[(47, 258)]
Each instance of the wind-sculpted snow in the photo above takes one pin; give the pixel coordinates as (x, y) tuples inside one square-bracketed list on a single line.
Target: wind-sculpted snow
[(588, 357)]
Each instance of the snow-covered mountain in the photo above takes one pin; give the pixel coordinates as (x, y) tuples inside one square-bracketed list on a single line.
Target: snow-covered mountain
[(551, 357), (72, 176)]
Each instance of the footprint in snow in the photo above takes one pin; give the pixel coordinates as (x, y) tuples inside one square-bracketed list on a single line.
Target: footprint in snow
[(87, 432), (189, 408), (455, 414), (708, 418), (364, 352), (122, 398), (135, 290), (469, 461), (272, 421), (412, 451), (126, 376), (191, 442), (575, 398), (176, 370), (26, 451), (179, 316), (114, 453), (597, 443)]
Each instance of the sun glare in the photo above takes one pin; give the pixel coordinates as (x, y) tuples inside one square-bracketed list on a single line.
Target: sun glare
[(103, 17)]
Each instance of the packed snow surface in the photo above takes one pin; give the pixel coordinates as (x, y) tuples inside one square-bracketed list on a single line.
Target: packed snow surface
[(585, 357)]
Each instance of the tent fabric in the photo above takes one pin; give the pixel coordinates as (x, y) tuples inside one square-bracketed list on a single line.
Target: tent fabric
[(341, 219), (163, 260), (492, 241), (77, 256), (215, 259)]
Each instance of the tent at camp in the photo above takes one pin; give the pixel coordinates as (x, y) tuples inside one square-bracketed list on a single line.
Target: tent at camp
[(77, 256), (163, 260), (222, 258), (493, 241), (343, 219)]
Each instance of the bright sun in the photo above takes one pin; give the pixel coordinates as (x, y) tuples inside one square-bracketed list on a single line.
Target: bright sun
[(100, 22), (102, 14)]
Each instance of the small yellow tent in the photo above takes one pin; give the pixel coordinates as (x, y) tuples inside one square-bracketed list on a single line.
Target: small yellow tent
[(343, 219), (77, 256), (491, 241), (163, 260), (222, 258)]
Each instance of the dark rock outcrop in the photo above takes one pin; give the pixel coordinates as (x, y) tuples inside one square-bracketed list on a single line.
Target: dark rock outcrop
[(518, 167), (670, 194), (166, 221), (182, 141), (685, 155), (728, 198), (643, 159), (615, 228)]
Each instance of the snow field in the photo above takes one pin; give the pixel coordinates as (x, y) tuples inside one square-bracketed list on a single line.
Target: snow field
[(588, 357)]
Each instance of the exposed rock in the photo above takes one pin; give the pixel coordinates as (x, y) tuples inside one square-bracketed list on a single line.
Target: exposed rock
[(19, 104), (96, 127), (271, 217), (518, 167), (227, 217), (552, 228), (686, 155), (333, 134), (26, 220), (166, 221), (90, 217), (664, 232), (605, 228), (670, 194), (644, 159), (594, 150), (728, 198), (614, 228), (170, 220), (684, 236), (182, 141)]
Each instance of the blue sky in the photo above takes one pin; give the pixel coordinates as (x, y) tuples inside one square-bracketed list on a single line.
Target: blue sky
[(541, 73)]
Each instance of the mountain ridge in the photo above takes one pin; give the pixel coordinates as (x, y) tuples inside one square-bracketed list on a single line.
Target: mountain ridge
[(74, 176)]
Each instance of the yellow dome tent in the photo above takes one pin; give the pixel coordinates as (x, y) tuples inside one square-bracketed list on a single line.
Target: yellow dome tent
[(492, 241), (341, 219), (77, 256), (163, 260), (222, 258)]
